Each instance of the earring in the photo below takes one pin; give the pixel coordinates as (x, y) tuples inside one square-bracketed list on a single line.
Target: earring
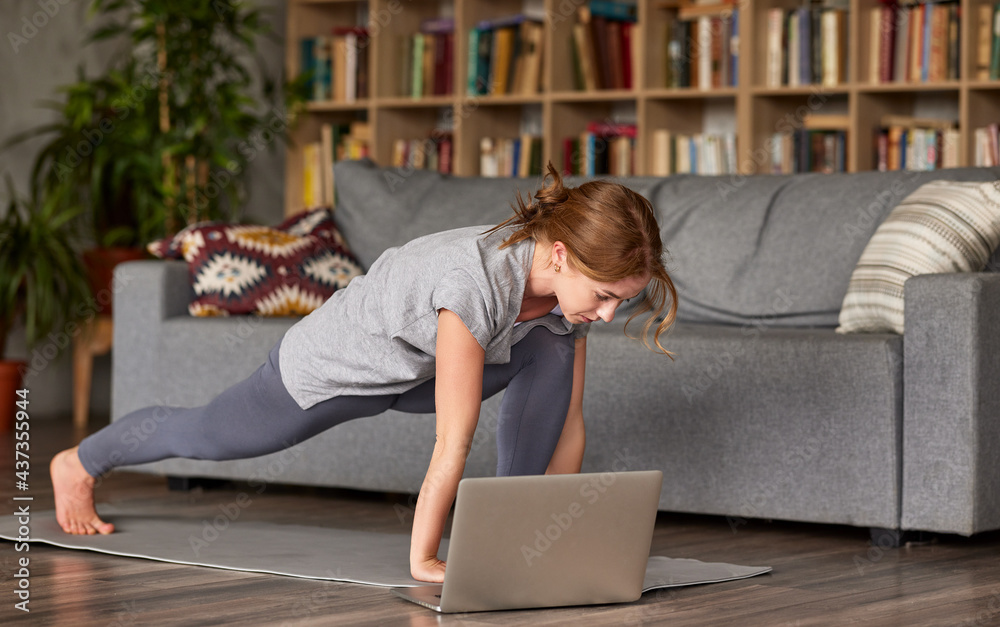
[(558, 268)]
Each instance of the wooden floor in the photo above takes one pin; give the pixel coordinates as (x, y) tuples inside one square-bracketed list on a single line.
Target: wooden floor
[(823, 574)]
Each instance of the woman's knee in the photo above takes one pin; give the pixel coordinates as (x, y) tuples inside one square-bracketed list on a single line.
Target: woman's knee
[(544, 346)]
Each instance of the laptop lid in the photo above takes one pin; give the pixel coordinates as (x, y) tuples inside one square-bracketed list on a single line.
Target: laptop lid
[(550, 540)]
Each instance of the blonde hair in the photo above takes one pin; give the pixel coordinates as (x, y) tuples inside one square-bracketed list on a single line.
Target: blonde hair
[(610, 233)]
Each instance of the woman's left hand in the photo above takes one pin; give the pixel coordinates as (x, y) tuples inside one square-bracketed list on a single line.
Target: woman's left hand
[(430, 569)]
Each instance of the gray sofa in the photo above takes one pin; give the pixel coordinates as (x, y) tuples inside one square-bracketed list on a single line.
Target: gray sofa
[(766, 412)]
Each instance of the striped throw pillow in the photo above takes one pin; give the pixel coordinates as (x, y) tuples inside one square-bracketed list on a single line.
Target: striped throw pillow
[(941, 227)]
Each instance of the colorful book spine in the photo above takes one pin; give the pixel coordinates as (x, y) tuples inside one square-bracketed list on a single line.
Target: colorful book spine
[(622, 11)]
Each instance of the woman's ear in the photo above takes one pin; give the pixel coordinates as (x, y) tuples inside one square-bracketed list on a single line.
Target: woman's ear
[(558, 253)]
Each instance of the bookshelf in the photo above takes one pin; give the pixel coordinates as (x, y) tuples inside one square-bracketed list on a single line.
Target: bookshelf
[(752, 108)]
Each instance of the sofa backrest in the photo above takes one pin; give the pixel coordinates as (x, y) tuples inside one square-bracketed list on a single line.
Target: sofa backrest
[(778, 248), (378, 208), (742, 249)]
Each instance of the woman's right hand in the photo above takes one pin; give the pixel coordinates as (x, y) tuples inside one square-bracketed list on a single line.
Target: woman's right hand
[(430, 569)]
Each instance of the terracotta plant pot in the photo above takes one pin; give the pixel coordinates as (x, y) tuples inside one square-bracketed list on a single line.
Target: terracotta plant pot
[(10, 382), (100, 263)]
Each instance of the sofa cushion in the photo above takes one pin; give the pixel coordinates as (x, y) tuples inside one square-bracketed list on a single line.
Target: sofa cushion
[(378, 208), (943, 226), (287, 270), (777, 247)]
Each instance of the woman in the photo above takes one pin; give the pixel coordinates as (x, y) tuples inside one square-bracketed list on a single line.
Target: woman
[(436, 325)]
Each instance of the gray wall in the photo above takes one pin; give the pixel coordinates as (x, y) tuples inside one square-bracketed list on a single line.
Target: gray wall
[(30, 74)]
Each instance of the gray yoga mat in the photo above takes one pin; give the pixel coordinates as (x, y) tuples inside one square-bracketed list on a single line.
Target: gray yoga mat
[(378, 559)]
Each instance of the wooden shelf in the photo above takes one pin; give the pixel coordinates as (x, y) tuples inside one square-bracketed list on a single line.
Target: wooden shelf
[(330, 105), (427, 101), (954, 86), (757, 111), (690, 92)]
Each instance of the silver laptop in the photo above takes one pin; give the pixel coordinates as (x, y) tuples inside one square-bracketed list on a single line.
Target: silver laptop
[(546, 541)]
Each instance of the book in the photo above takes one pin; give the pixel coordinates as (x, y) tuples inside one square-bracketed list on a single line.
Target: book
[(954, 54), (902, 50), (615, 10), (427, 65), (916, 42), (937, 63), (704, 52), (602, 53), (693, 11), (793, 49), (629, 42), (417, 70), (910, 121), (734, 51), (585, 50), (501, 57), (995, 54), (887, 43), (472, 63), (483, 61), (875, 36), (307, 62), (775, 21), (322, 74), (805, 46), (326, 163), (834, 25), (661, 153), (438, 25), (826, 121), (533, 53), (616, 79)]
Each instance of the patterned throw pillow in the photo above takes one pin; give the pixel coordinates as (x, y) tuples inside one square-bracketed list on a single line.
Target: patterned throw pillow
[(941, 227), (287, 270)]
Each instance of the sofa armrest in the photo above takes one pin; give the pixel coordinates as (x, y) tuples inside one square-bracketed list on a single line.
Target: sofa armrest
[(145, 294), (951, 403)]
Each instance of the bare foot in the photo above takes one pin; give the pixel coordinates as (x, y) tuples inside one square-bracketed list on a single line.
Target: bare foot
[(74, 492)]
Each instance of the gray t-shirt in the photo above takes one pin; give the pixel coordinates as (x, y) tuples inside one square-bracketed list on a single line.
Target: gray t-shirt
[(379, 334)]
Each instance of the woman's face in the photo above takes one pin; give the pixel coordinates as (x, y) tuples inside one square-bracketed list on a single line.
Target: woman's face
[(584, 300)]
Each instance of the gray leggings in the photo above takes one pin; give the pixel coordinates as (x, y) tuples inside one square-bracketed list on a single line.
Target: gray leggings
[(258, 416)]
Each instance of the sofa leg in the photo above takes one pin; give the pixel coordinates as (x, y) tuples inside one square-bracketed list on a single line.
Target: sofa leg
[(895, 538), (186, 484)]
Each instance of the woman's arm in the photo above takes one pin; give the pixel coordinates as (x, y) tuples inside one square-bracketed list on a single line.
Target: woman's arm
[(568, 456), (458, 394)]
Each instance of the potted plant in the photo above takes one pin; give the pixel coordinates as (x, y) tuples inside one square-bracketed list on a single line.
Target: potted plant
[(41, 282), (160, 140), (99, 156), (207, 93)]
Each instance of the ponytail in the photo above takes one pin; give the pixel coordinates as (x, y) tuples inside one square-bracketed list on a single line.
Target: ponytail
[(533, 216)]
